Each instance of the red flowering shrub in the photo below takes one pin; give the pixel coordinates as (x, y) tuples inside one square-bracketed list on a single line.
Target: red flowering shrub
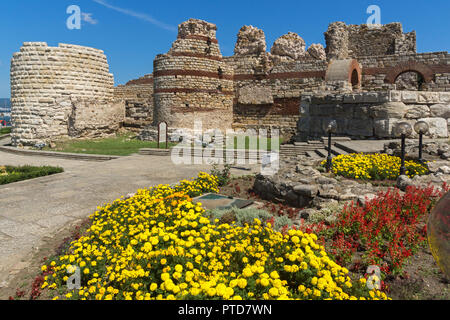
[(388, 230)]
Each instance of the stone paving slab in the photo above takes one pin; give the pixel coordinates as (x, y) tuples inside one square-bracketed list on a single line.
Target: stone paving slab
[(33, 209)]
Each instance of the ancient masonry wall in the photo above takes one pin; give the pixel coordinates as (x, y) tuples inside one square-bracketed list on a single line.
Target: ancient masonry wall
[(268, 86), (51, 85), (374, 114), (381, 72), (271, 100), (192, 82), (138, 97), (354, 41)]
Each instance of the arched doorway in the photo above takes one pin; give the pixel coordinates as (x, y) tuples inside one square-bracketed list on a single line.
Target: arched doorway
[(410, 80), (355, 79)]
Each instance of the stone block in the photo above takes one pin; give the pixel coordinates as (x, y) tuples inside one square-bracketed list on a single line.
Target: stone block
[(361, 111), (389, 110), (409, 97), (440, 111), (428, 97), (418, 111), (383, 127), (444, 97), (362, 128), (255, 95), (438, 127)]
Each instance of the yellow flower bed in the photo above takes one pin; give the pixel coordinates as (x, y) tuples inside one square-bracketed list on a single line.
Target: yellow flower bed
[(159, 245), (373, 166)]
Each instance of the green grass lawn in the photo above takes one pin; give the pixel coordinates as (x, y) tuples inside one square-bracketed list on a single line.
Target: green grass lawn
[(10, 174), (121, 145), (4, 131), (259, 141)]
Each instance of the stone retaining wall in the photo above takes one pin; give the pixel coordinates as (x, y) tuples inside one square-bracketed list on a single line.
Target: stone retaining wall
[(374, 114)]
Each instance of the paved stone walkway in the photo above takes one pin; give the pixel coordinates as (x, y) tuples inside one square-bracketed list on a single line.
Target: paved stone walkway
[(31, 210)]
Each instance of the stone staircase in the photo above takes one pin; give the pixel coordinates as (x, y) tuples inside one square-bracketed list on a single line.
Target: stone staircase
[(316, 149)]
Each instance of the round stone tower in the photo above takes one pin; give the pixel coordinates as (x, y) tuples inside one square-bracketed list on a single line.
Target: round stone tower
[(44, 79), (191, 82)]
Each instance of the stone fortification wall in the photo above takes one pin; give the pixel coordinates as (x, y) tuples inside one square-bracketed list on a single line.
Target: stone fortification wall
[(192, 82), (268, 86), (47, 83), (354, 41), (382, 72), (138, 97), (374, 114)]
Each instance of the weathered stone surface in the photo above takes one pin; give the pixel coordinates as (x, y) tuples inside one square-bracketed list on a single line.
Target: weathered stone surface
[(434, 166), (317, 51), (383, 128), (306, 190), (255, 95), (250, 40), (289, 45), (438, 127), (362, 200), (440, 110), (444, 170), (403, 182), (196, 27), (418, 111), (336, 38), (44, 82), (389, 110)]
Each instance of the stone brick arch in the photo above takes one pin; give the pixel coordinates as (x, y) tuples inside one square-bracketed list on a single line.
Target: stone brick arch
[(344, 70), (425, 71)]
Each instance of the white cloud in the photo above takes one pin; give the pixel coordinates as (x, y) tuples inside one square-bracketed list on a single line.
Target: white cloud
[(87, 17), (138, 15)]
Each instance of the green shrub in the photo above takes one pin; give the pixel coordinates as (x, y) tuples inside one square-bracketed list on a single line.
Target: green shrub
[(223, 175), (5, 131), (10, 174), (247, 216)]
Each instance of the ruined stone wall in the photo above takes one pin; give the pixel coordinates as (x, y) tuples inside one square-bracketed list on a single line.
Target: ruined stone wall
[(268, 86), (374, 114), (381, 72), (191, 81), (271, 100), (47, 83), (95, 119), (138, 97), (354, 41)]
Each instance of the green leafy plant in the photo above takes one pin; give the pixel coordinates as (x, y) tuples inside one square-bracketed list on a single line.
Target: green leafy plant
[(248, 216), (10, 174), (223, 175)]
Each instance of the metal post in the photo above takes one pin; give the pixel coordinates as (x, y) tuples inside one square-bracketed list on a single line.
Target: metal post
[(329, 159), (420, 147), (402, 166)]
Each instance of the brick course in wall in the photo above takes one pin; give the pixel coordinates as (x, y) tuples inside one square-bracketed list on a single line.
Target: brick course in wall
[(191, 82)]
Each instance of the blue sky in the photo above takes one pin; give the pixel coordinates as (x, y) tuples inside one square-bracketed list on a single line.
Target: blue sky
[(133, 32)]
